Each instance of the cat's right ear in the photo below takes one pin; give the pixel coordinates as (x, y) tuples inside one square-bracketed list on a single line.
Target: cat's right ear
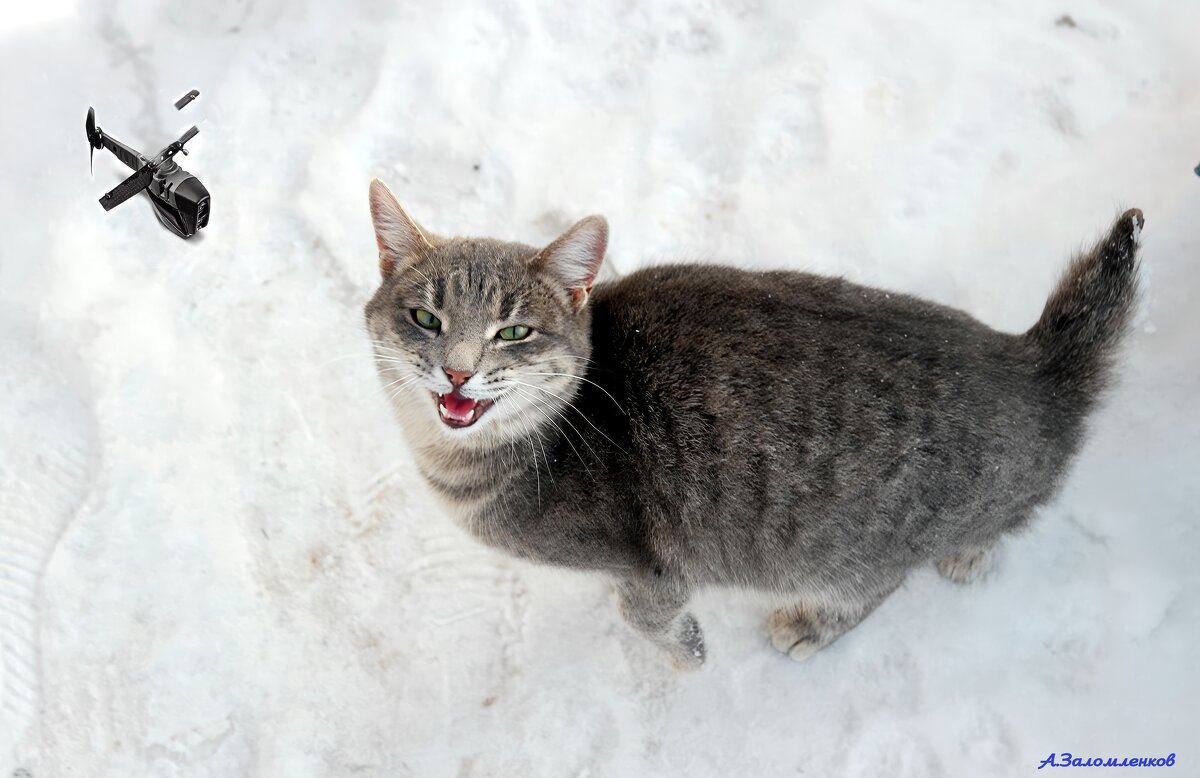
[(399, 237)]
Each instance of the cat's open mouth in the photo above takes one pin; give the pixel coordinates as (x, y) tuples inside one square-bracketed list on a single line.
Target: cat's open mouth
[(458, 411)]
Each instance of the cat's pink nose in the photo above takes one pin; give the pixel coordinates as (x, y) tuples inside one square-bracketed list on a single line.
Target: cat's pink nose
[(457, 377)]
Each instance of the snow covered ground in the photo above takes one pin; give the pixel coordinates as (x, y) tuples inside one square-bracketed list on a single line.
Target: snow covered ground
[(215, 557)]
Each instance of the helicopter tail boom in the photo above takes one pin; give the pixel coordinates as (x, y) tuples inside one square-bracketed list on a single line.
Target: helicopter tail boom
[(99, 139)]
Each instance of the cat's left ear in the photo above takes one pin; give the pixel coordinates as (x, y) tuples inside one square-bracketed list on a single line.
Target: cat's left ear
[(574, 257)]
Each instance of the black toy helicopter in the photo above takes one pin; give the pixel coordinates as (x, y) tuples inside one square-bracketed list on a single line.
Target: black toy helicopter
[(180, 201)]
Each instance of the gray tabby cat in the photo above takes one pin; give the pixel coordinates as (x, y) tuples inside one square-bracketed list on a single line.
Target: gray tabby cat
[(697, 425)]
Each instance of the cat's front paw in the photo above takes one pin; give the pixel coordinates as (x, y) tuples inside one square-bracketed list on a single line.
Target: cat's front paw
[(688, 652)]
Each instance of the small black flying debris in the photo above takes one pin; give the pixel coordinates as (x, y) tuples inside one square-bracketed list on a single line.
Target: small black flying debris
[(182, 102), (180, 201)]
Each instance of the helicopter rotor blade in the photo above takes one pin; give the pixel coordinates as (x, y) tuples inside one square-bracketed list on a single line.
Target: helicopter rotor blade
[(128, 188), (93, 137)]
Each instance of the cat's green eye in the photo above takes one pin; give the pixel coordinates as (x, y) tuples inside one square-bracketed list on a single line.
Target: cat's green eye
[(426, 319), (515, 332)]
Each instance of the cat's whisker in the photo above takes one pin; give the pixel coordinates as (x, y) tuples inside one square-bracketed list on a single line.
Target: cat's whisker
[(558, 413), (400, 384), (395, 387), (533, 452), (391, 353), (554, 364), (389, 349), (566, 437), (342, 357), (551, 362), (580, 378), (568, 404), (395, 369), (363, 356), (392, 396), (568, 356), (392, 364), (541, 445), (388, 353)]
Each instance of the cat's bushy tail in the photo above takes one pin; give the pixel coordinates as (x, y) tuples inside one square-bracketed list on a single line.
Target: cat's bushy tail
[(1088, 314)]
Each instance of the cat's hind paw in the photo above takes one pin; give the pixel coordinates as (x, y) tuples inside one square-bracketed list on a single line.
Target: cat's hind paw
[(794, 633), (967, 565)]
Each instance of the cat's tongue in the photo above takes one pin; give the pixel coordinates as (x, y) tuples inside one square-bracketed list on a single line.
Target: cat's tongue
[(455, 409)]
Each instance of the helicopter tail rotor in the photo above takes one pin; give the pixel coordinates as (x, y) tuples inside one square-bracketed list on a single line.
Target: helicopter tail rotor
[(94, 136)]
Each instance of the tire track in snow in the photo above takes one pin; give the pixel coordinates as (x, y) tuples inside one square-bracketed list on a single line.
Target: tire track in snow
[(46, 468)]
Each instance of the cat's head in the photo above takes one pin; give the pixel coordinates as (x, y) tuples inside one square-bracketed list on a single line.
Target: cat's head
[(480, 340)]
